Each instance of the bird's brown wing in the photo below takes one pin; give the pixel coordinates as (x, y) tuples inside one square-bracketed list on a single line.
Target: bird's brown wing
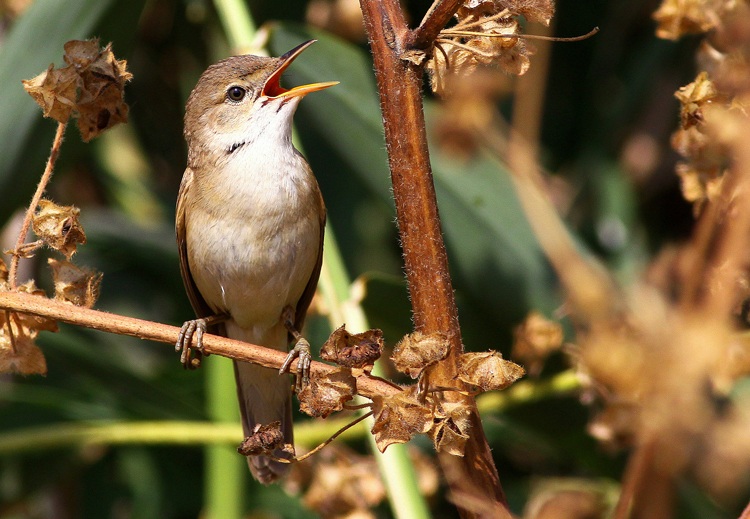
[(199, 304), (304, 302)]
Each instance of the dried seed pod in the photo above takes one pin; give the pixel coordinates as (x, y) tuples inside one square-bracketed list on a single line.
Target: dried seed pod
[(58, 227), (418, 350), (677, 18), (488, 370), (91, 88), (357, 350), (450, 430), (18, 351), (327, 394), (264, 440), (55, 90), (75, 285), (398, 418), (534, 339)]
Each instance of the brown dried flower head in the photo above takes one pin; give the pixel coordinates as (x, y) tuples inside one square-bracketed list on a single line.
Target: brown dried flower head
[(418, 350), (357, 350), (342, 483), (264, 440), (488, 370), (59, 227), (33, 323), (699, 185), (73, 284), (534, 339), (486, 33), (328, 393), (568, 497), (90, 87), (677, 18), (450, 431), (694, 97), (705, 114), (18, 352), (398, 418)]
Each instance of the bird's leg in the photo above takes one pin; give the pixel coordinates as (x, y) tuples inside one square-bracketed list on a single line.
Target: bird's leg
[(190, 340), (300, 351)]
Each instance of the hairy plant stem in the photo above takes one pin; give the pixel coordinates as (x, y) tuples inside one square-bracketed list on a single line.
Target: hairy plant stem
[(40, 188), (399, 78)]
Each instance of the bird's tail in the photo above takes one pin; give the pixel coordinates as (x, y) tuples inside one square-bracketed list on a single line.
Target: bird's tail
[(264, 397)]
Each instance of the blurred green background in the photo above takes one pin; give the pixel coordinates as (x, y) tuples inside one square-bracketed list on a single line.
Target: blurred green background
[(608, 115)]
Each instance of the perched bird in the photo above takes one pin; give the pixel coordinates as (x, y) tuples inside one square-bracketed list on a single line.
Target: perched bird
[(250, 222)]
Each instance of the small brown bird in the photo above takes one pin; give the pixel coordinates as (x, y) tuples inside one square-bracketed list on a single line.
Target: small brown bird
[(250, 223)]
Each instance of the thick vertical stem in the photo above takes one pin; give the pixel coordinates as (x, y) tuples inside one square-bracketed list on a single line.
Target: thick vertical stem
[(400, 87), (434, 308)]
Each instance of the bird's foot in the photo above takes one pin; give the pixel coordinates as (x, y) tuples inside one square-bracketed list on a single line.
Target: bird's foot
[(190, 340), (301, 352), (190, 343)]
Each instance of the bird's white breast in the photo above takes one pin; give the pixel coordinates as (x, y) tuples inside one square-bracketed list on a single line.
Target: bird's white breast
[(253, 233)]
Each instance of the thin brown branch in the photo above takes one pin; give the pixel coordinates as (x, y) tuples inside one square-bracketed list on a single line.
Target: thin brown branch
[(440, 13), (148, 330), (425, 259), (329, 440), (40, 188), (537, 37), (7, 317)]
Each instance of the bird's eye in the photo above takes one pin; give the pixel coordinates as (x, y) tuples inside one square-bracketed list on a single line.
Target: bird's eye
[(236, 94)]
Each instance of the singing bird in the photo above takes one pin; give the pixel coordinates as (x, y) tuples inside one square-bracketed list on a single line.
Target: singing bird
[(250, 222)]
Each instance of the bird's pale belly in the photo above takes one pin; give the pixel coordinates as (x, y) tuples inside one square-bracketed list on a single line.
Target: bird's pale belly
[(254, 268)]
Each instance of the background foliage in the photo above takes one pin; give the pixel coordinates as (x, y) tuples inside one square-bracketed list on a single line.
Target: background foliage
[(608, 115)]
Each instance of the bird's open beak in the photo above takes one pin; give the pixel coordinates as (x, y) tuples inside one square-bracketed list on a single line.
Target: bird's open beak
[(273, 89)]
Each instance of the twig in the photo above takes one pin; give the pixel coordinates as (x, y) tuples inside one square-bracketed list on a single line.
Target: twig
[(438, 16), (329, 440), (538, 37), (40, 188), (357, 407), (148, 330), (12, 336)]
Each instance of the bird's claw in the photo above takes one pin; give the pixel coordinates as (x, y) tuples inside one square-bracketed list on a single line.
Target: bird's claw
[(301, 352), (190, 343)]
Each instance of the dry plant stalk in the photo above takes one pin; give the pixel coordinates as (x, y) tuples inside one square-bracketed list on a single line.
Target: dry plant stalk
[(486, 32), (89, 88), (37, 306), (661, 356)]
